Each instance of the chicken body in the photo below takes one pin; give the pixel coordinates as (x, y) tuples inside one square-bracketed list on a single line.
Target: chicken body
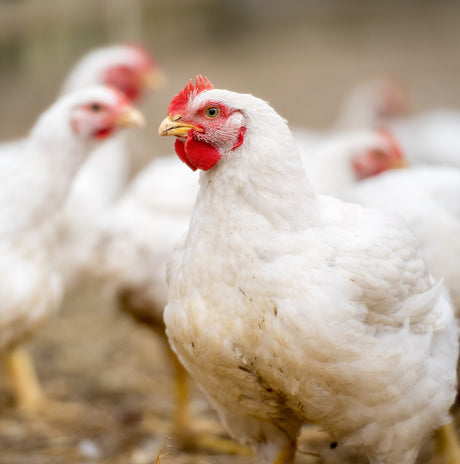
[(137, 234), (287, 307), (427, 197), (30, 288)]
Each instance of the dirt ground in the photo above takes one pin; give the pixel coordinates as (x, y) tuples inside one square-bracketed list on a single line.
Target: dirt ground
[(115, 371)]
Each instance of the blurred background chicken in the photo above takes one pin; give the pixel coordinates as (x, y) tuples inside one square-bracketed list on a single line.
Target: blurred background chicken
[(134, 240), (36, 178), (132, 71), (365, 168), (101, 178), (340, 160), (427, 197)]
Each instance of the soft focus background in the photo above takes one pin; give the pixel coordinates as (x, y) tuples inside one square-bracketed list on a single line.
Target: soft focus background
[(301, 56)]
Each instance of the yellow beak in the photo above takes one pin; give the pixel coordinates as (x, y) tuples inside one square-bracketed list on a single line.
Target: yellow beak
[(130, 117), (174, 126), (153, 79), (401, 164)]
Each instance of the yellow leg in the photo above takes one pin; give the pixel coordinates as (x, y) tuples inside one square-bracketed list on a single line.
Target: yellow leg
[(181, 413), (28, 391), (447, 443), (185, 430), (219, 445), (287, 454), (24, 380)]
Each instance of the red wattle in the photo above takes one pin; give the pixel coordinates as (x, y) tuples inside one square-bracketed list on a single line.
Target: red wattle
[(200, 154), (196, 154), (103, 133), (179, 146), (240, 138)]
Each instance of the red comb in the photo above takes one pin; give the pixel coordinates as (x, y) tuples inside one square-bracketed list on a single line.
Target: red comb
[(179, 102), (121, 97), (393, 143)]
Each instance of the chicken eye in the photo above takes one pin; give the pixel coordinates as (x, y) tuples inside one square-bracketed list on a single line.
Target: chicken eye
[(212, 112), (96, 107)]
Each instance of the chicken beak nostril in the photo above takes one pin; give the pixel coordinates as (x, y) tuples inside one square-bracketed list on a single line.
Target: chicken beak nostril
[(171, 126), (165, 126)]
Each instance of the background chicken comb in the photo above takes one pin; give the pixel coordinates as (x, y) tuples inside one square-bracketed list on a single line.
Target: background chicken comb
[(122, 98), (179, 102)]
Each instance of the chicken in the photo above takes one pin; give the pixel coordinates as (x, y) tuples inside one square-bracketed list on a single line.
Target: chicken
[(134, 240), (137, 234), (35, 181), (103, 176), (289, 307), (427, 197), (128, 68), (345, 158)]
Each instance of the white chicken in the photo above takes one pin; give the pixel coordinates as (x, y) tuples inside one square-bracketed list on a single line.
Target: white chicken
[(103, 176), (287, 307), (35, 181), (345, 158)]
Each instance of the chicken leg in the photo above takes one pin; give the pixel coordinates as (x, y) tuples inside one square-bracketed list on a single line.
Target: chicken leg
[(447, 443), (181, 421), (28, 390), (287, 454), (183, 429), (24, 380)]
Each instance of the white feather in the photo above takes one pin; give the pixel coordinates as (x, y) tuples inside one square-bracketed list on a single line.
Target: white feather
[(35, 179)]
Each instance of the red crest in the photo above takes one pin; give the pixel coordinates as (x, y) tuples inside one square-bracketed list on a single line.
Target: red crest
[(179, 102)]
